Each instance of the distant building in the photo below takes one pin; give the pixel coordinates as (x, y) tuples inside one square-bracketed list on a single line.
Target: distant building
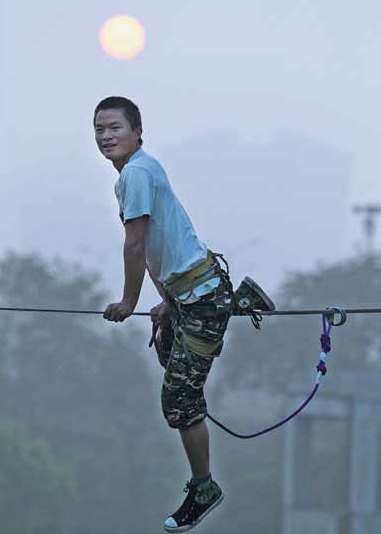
[(354, 402)]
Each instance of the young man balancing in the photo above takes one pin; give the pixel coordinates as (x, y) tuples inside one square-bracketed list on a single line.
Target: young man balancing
[(197, 294)]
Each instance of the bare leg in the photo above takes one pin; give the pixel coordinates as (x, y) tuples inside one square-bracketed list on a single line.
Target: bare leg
[(196, 443)]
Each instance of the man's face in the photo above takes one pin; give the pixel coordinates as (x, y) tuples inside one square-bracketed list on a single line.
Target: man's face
[(114, 136)]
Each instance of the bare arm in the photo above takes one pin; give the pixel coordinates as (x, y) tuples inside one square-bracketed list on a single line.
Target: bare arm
[(134, 258), (135, 261)]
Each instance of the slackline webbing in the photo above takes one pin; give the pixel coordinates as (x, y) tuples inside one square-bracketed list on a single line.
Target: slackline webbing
[(260, 312)]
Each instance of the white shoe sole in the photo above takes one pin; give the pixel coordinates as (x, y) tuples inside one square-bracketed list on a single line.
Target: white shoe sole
[(189, 527)]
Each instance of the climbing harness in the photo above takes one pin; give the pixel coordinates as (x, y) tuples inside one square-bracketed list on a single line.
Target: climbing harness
[(210, 268), (186, 282)]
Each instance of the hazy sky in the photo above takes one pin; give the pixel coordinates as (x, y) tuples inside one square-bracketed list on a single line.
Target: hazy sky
[(264, 113)]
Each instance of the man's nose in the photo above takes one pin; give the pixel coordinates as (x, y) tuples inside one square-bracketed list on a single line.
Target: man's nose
[(107, 135)]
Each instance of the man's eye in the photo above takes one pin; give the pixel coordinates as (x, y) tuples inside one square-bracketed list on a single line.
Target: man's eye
[(98, 130), (115, 127)]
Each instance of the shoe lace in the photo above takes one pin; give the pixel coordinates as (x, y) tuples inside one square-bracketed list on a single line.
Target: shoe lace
[(188, 505), (203, 497), (188, 485)]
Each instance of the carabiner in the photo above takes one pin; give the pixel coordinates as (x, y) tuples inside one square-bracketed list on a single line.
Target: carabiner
[(331, 317)]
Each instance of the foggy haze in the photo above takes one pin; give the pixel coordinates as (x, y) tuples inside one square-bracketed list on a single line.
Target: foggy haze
[(265, 116), (267, 112)]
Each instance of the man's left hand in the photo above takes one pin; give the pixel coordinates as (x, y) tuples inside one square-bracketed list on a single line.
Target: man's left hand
[(118, 311)]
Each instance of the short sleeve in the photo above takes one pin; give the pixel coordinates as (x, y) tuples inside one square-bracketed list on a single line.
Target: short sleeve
[(137, 192)]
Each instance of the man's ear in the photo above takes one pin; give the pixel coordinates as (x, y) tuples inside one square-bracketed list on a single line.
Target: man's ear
[(139, 131)]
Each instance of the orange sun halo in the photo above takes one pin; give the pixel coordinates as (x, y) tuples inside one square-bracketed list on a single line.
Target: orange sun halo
[(122, 37)]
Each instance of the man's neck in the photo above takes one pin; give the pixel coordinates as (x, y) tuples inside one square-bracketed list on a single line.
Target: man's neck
[(120, 163)]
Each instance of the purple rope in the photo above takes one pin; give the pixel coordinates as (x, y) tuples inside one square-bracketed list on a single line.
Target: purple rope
[(256, 434), (325, 347)]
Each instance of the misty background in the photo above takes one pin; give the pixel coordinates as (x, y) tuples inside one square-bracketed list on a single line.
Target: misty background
[(265, 116)]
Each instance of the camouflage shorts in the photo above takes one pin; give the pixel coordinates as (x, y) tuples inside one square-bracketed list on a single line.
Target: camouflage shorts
[(186, 371)]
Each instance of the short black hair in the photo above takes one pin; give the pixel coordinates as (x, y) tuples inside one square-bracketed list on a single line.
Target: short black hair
[(130, 110)]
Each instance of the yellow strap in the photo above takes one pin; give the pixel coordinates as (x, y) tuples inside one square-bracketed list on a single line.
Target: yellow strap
[(202, 347), (184, 281)]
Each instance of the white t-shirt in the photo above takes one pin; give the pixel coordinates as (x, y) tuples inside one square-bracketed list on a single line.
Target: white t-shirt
[(172, 246)]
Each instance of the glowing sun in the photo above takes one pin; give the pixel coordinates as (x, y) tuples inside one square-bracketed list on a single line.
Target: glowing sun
[(122, 37)]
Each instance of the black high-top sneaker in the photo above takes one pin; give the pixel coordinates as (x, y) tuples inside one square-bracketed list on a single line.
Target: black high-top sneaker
[(250, 296), (201, 500), (261, 301)]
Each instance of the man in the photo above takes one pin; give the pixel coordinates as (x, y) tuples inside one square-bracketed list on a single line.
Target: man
[(197, 294)]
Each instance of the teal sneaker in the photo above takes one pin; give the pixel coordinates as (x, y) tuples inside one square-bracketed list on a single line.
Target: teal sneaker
[(201, 500)]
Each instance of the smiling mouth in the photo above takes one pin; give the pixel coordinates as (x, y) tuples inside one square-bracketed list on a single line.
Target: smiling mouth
[(108, 146)]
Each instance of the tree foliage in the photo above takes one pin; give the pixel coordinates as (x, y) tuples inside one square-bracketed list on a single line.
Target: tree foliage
[(77, 383), (93, 447), (33, 485)]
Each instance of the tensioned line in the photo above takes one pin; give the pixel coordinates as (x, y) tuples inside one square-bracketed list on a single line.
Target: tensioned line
[(277, 312)]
